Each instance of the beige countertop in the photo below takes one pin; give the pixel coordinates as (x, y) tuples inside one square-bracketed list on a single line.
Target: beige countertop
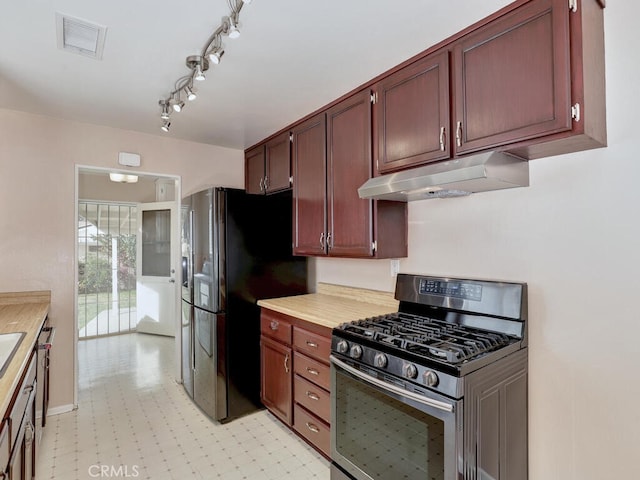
[(20, 312), (334, 304)]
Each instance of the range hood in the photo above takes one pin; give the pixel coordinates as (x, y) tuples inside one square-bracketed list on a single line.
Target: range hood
[(452, 178)]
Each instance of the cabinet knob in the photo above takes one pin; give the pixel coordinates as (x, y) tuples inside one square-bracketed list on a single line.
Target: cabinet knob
[(273, 325)]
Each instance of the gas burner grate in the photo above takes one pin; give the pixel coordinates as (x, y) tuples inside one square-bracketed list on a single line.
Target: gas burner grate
[(427, 337)]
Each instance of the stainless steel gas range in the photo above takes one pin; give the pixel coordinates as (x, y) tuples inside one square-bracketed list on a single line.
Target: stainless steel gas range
[(437, 390)]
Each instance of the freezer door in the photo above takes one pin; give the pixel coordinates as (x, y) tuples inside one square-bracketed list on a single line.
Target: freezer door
[(186, 255), (209, 387), (206, 250), (187, 347)]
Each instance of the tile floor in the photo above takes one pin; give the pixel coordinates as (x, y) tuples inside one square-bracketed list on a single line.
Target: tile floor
[(135, 421)]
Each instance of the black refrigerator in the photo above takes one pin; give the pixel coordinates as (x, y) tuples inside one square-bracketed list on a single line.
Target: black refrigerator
[(236, 249)]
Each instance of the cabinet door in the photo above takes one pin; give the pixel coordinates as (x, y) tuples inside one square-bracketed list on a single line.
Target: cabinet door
[(512, 78), (276, 378), (254, 170), (411, 115), (278, 163), (350, 229), (309, 187)]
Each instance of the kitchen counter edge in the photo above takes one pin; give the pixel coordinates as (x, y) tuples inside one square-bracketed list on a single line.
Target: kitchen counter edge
[(20, 312)]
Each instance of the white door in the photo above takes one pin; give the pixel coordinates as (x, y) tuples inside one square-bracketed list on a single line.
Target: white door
[(156, 268)]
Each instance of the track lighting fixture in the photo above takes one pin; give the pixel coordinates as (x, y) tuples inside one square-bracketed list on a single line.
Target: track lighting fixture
[(190, 93), (199, 64)]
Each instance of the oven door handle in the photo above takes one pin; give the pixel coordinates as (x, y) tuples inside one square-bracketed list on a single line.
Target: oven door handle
[(447, 407)]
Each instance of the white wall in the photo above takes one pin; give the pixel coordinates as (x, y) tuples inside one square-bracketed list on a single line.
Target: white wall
[(37, 195), (574, 237)]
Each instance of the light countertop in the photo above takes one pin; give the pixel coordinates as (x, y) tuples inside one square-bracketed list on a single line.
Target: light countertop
[(20, 312), (334, 304)]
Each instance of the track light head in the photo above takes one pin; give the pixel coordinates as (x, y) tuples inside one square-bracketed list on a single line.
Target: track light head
[(199, 65), (165, 126), (231, 26), (215, 55), (177, 102), (190, 93), (164, 115)]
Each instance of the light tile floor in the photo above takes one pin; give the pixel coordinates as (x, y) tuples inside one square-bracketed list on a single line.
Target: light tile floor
[(135, 421)]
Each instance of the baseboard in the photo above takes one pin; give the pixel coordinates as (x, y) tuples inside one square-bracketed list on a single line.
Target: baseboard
[(60, 409)]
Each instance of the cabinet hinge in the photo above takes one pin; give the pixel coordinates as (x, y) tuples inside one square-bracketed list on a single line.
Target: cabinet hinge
[(291, 137), (374, 246), (291, 180), (374, 97), (575, 112), (573, 5)]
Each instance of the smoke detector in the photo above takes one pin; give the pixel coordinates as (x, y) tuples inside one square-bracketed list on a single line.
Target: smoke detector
[(80, 36)]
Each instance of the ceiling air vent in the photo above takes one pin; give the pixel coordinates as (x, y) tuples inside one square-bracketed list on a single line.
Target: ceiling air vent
[(79, 36)]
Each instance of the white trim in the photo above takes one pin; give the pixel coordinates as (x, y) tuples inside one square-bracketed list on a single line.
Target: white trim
[(178, 310), (61, 409)]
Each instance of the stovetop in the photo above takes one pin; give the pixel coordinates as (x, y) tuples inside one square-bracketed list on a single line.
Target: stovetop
[(428, 337)]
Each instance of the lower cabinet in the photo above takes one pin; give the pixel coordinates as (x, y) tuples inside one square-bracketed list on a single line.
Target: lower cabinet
[(296, 376), (19, 422)]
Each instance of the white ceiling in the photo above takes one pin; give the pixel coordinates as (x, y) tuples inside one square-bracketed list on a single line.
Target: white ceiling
[(293, 56)]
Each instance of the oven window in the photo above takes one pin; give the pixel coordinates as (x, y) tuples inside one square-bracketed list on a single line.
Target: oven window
[(384, 437)]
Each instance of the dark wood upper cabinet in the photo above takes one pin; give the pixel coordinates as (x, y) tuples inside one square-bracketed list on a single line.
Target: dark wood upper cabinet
[(309, 187), (278, 163), (350, 225), (268, 166), (411, 115), (254, 170), (331, 159), (513, 78)]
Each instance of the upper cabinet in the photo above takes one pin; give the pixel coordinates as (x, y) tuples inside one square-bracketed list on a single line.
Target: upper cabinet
[(411, 114), (331, 159), (528, 80), (513, 78), (268, 166)]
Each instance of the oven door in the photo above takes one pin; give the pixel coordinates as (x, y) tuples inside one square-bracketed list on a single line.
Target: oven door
[(381, 431)]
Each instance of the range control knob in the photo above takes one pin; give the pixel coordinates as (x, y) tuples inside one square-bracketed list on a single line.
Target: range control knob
[(380, 360), (409, 370), (355, 352), (342, 346), (430, 378)]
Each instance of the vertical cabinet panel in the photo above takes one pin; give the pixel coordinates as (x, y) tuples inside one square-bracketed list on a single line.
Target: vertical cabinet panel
[(254, 170), (411, 115), (278, 163), (512, 78), (276, 378), (309, 187), (350, 226)]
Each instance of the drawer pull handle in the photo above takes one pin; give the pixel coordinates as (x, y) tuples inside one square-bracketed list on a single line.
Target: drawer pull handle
[(313, 427), (313, 371), (312, 344), (273, 325), (313, 396), (286, 363), (28, 389)]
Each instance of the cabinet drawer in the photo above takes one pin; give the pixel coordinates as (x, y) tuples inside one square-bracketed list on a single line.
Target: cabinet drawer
[(274, 326), (312, 370), (315, 399), (312, 344), (313, 429)]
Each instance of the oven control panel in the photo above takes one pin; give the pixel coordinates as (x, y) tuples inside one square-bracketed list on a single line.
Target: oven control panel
[(455, 289)]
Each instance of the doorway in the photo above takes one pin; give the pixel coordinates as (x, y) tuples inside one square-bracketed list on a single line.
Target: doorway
[(112, 296)]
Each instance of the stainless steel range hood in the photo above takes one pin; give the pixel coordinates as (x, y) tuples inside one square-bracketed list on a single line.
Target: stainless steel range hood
[(452, 178)]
